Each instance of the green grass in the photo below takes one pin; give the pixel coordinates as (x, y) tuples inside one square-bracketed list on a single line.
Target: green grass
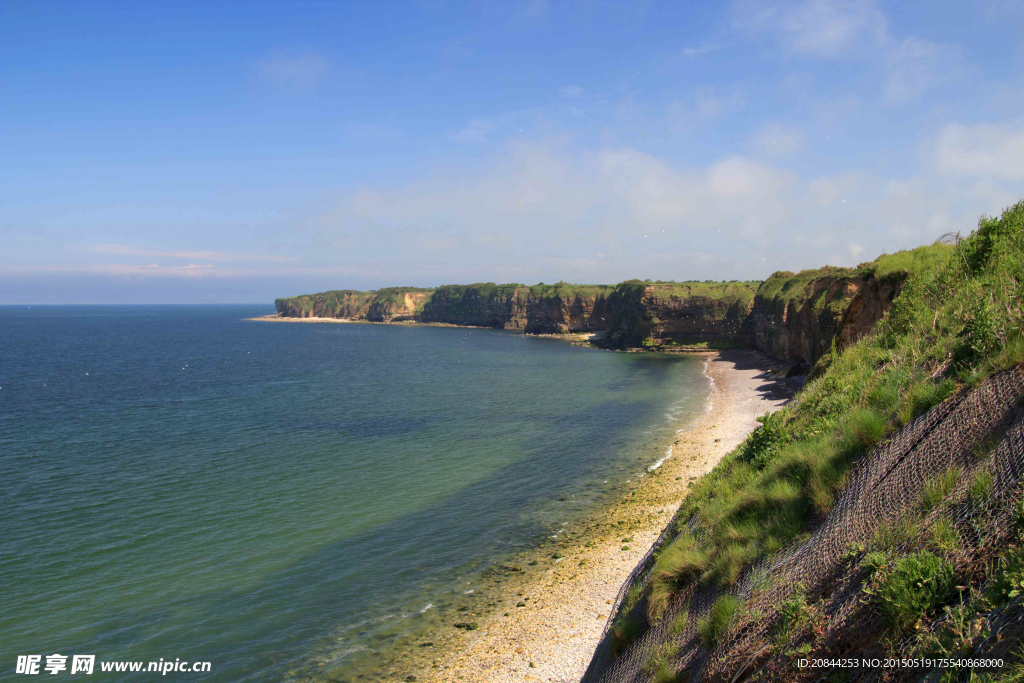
[(980, 489), (712, 626), (935, 339), (942, 536), (658, 665), (936, 490), (911, 587), (624, 632), (793, 615), (679, 622)]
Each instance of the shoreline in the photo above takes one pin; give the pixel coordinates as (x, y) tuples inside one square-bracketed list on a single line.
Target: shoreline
[(550, 619)]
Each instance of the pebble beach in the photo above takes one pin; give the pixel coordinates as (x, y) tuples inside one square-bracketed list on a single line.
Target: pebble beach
[(549, 621)]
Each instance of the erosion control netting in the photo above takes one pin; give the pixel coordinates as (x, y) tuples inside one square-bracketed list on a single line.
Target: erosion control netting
[(976, 432)]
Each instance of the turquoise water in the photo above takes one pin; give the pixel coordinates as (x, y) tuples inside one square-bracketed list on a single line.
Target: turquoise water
[(179, 482)]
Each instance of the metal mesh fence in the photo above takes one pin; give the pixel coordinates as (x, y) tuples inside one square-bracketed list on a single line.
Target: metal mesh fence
[(978, 434)]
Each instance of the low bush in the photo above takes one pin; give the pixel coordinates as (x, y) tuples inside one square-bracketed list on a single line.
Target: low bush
[(911, 587)]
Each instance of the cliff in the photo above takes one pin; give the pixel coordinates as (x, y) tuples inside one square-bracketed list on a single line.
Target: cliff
[(796, 317), (391, 304), (481, 305), (655, 315)]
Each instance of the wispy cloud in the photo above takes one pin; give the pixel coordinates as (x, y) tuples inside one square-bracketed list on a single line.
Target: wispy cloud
[(778, 140), (152, 270), (476, 130), (217, 256), (570, 91), (916, 66), (614, 212), (980, 151), (295, 70), (703, 49), (823, 28)]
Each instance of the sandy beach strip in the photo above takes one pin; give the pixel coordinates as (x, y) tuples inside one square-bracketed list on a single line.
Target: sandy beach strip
[(551, 621)]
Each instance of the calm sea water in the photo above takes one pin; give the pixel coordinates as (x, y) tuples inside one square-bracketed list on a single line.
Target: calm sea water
[(178, 482)]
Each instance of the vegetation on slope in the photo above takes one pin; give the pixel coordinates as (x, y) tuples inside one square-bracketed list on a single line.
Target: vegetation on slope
[(957, 319), (346, 303)]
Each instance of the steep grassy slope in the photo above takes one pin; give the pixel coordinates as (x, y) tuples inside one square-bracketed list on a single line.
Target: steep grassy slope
[(879, 514)]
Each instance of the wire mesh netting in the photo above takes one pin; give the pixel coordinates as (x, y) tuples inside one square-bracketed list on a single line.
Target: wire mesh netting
[(974, 439)]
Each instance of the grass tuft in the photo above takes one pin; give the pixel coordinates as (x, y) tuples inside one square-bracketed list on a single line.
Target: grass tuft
[(716, 622)]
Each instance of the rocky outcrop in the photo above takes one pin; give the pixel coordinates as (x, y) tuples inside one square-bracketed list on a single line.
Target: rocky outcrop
[(796, 317), (868, 306), (656, 314), (557, 309)]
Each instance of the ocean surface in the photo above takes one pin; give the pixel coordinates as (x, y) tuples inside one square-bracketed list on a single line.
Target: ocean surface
[(288, 500)]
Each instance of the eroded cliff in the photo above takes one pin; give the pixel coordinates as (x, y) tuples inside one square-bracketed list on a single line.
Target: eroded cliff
[(795, 317)]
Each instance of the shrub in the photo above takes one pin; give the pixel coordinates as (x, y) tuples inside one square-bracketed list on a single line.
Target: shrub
[(793, 614), (913, 586), (766, 441), (1007, 576), (979, 336)]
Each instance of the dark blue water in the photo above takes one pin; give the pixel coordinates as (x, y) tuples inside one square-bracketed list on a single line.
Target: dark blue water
[(179, 482)]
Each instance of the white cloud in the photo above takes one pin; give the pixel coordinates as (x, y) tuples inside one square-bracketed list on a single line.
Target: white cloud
[(982, 151), (570, 91), (778, 140), (703, 106), (831, 190), (824, 28), (916, 65), (702, 49), (301, 71)]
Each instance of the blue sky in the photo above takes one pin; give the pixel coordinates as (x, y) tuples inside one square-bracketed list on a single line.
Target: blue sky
[(235, 152)]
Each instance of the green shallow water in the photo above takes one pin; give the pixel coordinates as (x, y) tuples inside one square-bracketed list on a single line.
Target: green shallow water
[(288, 499)]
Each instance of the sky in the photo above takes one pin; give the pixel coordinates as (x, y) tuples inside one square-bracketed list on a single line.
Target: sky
[(237, 152)]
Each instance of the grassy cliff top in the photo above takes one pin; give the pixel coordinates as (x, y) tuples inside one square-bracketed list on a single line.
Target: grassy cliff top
[(799, 287), (731, 289), (956, 321)]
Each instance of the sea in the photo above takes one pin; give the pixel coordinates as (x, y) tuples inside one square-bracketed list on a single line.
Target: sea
[(290, 501)]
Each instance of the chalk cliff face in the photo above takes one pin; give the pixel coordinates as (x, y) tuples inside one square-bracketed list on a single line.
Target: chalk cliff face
[(792, 316)]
